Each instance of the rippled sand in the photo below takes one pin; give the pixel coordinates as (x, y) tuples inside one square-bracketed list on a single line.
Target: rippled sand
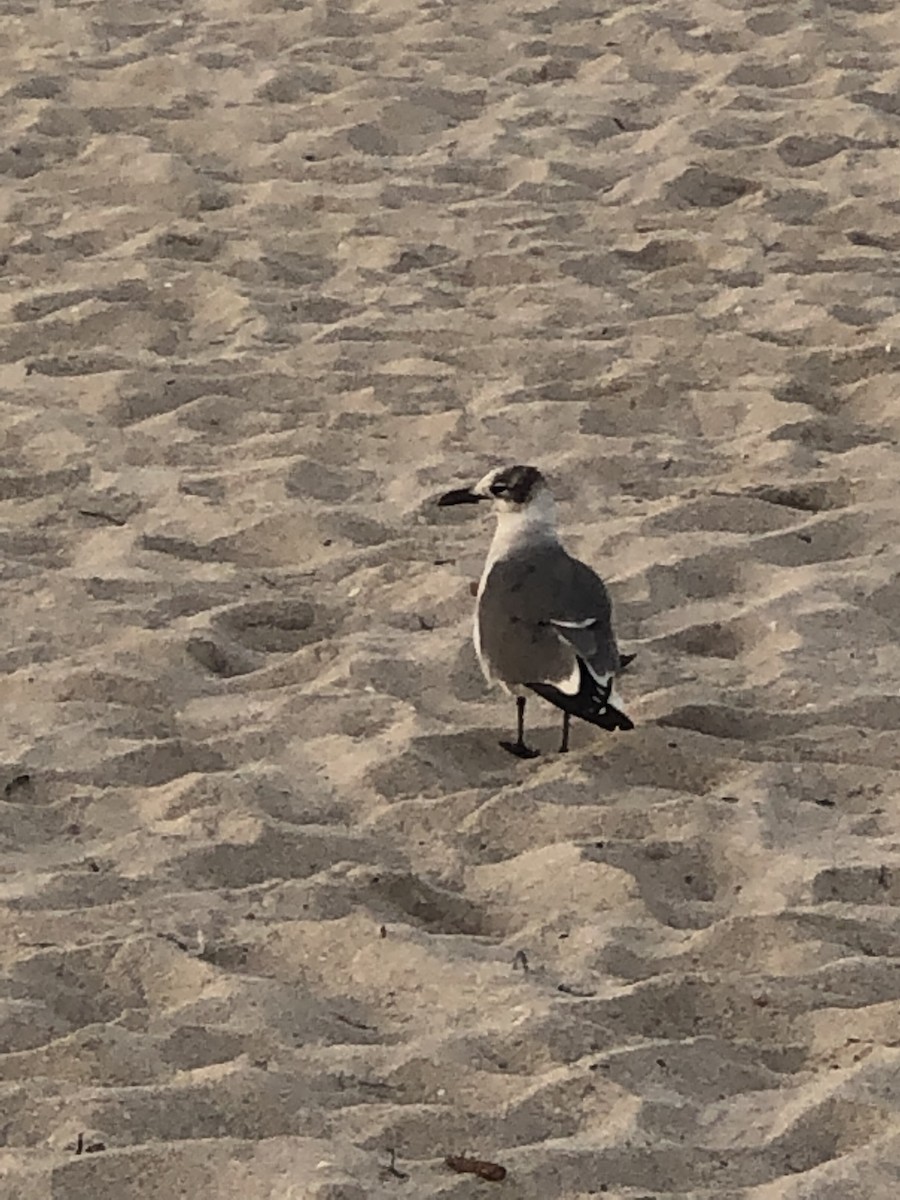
[(273, 277)]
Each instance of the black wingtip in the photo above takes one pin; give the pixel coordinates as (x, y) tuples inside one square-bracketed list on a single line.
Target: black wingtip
[(625, 660), (619, 719), (590, 703)]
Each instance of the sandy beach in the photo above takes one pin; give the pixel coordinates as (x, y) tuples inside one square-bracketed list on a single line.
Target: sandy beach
[(280, 920)]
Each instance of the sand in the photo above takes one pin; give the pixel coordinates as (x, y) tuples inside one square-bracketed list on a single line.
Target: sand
[(275, 903)]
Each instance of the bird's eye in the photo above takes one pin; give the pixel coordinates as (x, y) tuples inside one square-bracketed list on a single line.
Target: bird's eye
[(498, 489)]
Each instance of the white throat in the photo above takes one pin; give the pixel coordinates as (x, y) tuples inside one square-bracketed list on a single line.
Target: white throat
[(535, 522)]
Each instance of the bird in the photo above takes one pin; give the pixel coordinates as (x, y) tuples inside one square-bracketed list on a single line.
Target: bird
[(543, 619)]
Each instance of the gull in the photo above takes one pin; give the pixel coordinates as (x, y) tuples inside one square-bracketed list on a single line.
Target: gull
[(543, 620)]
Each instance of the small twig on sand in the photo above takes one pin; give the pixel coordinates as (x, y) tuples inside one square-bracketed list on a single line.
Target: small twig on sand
[(579, 993), (101, 516), (392, 1168), (490, 1171)]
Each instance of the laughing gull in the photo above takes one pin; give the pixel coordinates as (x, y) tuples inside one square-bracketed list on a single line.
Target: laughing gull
[(543, 620)]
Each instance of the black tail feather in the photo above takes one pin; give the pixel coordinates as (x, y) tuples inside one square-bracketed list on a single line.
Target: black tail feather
[(590, 702)]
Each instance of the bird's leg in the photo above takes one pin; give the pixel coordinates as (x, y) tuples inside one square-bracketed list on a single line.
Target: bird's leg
[(564, 744), (518, 747)]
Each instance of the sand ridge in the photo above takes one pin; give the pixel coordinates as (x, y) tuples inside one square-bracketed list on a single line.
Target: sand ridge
[(275, 275)]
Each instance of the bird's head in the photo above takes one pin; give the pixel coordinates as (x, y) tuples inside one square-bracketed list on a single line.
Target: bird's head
[(510, 489)]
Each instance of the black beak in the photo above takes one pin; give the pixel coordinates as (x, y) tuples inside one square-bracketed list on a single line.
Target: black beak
[(460, 496)]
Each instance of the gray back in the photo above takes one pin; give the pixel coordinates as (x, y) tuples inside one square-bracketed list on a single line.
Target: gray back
[(527, 591)]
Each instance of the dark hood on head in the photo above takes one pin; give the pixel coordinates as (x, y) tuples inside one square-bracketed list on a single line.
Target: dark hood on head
[(517, 484)]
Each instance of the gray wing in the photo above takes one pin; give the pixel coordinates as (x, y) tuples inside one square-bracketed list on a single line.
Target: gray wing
[(536, 604), (582, 615)]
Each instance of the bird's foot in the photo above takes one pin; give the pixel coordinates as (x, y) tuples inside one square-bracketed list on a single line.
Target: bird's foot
[(520, 750)]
